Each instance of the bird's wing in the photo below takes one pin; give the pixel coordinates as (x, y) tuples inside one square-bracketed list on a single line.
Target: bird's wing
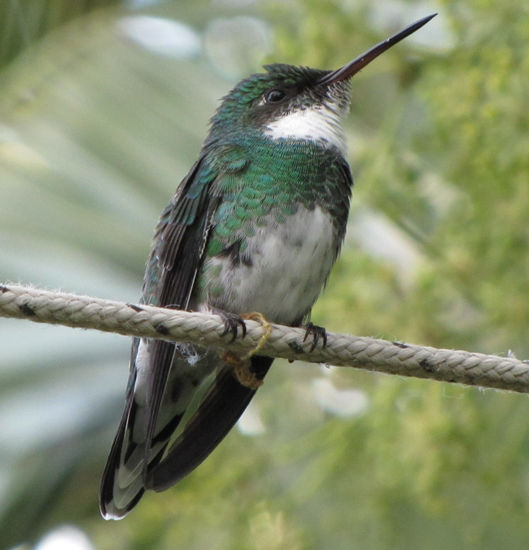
[(218, 411), (165, 379), (171, 270)]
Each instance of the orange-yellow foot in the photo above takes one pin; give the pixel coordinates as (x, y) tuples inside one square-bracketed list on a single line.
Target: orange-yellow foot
[(242, 369), (242, 365), (260, 318)]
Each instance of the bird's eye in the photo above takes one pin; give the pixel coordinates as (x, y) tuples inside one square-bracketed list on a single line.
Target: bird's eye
[(275, 96)]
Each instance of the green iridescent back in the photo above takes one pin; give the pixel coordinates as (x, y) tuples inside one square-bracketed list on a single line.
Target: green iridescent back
[(257, 179)]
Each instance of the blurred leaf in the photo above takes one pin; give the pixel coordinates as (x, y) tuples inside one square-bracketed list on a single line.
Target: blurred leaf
[(22, 22)]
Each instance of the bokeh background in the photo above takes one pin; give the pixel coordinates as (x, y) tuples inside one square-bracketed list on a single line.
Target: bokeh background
[(103, 107)]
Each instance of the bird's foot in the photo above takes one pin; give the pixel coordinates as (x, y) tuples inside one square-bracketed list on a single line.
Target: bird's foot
[(242, 369), (232, 321), (267, 327), (317, 333), (242, 365)]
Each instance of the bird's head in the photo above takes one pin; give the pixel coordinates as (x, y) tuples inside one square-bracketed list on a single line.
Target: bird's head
[(291, 102)]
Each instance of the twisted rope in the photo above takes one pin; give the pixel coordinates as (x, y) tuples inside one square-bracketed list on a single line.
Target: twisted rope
[(475, 369)]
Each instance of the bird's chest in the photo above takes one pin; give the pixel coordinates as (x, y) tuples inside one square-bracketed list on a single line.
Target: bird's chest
[(278, 271)]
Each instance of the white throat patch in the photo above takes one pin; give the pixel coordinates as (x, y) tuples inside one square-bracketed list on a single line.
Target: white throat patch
[(321, 124)]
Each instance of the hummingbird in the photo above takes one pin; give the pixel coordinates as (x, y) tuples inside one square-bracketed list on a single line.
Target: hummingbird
[(255, 226)]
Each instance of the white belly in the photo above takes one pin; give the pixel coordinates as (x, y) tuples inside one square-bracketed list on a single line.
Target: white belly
[(290, 262)]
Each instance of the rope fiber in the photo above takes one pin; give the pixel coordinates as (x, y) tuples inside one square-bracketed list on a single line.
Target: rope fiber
[(398, 358)]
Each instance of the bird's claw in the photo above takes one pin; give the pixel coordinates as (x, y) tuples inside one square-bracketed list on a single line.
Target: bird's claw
[(317, 333), (242, 366), (231, 323)]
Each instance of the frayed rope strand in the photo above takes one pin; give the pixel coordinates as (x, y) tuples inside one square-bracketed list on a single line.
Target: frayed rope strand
[(474, 369)]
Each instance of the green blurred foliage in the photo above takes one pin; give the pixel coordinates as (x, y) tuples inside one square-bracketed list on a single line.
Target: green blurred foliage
[(25, 21), (437, 253)]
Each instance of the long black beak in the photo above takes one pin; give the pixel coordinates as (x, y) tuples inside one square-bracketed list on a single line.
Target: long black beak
[(347, 71)]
